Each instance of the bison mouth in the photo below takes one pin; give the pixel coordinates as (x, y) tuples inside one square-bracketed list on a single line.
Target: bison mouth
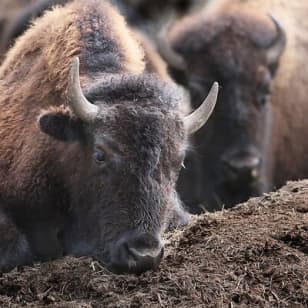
[(132, 254)]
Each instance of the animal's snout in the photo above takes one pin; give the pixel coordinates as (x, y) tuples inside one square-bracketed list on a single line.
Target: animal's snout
[(242, 167), (135, 253)]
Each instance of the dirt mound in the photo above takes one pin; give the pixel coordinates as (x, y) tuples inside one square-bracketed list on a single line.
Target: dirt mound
[(255, 255)]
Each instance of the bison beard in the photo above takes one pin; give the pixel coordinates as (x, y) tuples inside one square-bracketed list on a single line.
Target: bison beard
[(96, 174)]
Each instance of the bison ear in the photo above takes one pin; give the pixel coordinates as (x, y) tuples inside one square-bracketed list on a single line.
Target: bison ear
[(60, 125)]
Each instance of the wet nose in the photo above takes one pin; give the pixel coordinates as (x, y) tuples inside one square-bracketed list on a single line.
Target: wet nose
[(136, 254), (246, 167)]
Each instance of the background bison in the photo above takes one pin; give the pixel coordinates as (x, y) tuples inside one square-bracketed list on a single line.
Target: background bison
[(257, 137)]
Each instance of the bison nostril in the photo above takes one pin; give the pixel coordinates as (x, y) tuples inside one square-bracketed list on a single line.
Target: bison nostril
[(247, 167), (136, 254), (248, 163), (152, 253), (145, 242), (145, 246), (255, 173)]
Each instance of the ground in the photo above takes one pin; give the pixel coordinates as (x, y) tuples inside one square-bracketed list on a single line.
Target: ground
[(255, 255)]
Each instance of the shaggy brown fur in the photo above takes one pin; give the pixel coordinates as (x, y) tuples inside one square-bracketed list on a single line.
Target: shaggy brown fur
[(200, 40), (16, 24), (57, 194), (16, 15), (23, 15)]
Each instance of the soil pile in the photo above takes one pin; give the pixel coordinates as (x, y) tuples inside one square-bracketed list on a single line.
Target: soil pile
[(254, 255)]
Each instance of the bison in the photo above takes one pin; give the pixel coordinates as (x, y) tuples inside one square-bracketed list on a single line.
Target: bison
[(256, 139), (89, 158)]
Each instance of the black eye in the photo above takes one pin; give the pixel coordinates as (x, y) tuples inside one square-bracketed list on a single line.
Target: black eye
[(263, 94), (263, 99), (99, 156)]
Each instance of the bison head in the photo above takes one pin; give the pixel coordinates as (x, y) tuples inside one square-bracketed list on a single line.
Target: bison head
[(122, 146), (240, 49)]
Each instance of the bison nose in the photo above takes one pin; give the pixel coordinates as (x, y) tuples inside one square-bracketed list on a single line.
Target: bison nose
[(136, 254), (246, 168)]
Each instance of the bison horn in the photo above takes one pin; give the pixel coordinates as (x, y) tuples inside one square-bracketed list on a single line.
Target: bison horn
[(279, 43), (173, 59), (82, 108), (199, 117)]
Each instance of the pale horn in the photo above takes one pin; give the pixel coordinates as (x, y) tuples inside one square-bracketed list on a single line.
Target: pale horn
[(82, 108), (199, 117), (279, 43)]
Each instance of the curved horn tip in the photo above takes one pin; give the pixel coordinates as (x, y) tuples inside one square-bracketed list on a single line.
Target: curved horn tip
[(74, 70), (279, 27), (84, 109), (76, 61), (279, 42), (200, 116), (173, 59), (215, 87)]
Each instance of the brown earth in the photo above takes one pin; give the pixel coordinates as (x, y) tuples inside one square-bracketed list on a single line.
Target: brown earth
[(255, 255)]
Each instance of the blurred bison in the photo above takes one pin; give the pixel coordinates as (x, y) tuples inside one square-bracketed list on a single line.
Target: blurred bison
[(8, 12), (150, 15), (17, 16), (88, 171), (257, 138)]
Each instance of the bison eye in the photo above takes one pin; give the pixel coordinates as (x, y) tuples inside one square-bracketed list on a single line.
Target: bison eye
[(100, 156), (263, 99), (263, 94)]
